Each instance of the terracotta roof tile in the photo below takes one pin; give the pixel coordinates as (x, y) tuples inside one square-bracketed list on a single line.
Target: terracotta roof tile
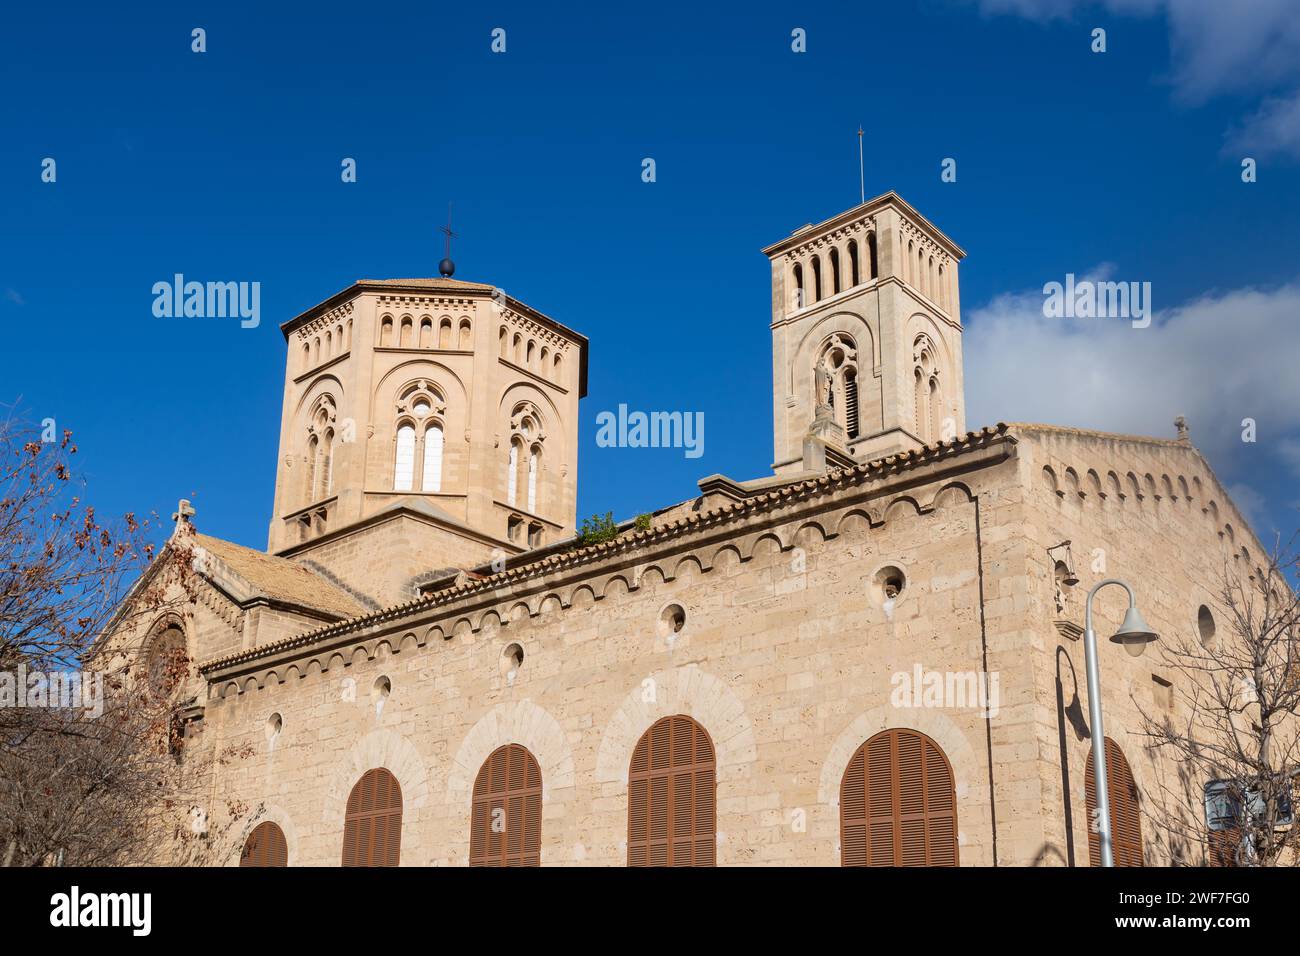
[(281, 579)]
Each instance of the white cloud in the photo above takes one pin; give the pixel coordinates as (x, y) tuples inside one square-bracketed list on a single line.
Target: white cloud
[(1218, 359), (1273, 130)]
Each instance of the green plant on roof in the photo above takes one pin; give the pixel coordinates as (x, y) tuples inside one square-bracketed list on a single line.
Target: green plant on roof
[(597, 528)]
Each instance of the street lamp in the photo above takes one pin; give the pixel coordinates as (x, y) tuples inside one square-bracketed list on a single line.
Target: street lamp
[(1134, 634)]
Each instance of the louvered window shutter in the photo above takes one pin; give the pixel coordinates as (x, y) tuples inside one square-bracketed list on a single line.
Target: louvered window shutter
[(672, 796), (265, 846), (372, 829), (506, 812), (1125, 815), (898, 804)]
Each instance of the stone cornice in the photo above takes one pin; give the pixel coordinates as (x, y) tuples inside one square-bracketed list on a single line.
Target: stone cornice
[(961, 453), (868, 208)]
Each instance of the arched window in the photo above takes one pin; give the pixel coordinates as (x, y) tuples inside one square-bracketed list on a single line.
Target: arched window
[(524, 466), (309, 477), (407, 332), (871, 256), (927, 395), (835, 271), (426, 333), (506, 815), (444, 333), (839, 359), (1125, 816), (372, 827), (386, 332), (404, 466), (798, 296), (326, 473), (512, 472), (265, 846), (534, 462), (855, 274), (672, 797), (503, 341), (466, 339), (816, 279), (936, 410), (433, 458), (166, 660), (898, 805)]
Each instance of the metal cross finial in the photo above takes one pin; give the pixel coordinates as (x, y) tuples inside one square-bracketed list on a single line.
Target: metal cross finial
[(446, 231)]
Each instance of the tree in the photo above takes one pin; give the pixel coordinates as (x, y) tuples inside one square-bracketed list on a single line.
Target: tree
[(90, 736), (1237, 747)]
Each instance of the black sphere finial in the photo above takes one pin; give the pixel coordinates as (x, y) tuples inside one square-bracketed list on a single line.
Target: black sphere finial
[(446, 267)]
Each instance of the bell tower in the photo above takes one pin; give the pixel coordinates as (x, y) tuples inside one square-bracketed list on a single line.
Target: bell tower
[(427, 424), (866, 337)]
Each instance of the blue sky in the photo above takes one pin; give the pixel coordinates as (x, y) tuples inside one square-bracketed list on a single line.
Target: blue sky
[(225, 166)]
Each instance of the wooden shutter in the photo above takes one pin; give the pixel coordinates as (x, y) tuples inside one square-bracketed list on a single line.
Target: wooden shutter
[(372, 828), (265, 846), (1125, 818), (506, 812), (672, 797), (898, 805)]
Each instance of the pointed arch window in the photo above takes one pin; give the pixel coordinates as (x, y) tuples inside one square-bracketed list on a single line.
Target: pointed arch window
[(433, 458), (404, 466), (512, 472), (672, 796), (524, 479), (928, 392), (326, 465), (534, 457), (839, 359), (419, 441)]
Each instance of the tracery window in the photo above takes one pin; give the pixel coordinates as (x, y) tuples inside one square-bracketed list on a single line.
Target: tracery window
[(421, 439), (927, 389), (318, 476), (838, 382), (524, 465)]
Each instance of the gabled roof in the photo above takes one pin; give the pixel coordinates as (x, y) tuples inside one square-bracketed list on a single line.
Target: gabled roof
[(278, 579)]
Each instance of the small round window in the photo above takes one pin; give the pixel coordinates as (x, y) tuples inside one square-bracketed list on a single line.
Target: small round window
[(888, 584), (671, 620)]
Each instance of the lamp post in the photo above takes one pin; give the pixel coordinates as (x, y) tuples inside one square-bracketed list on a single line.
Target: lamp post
[(1134, 635)]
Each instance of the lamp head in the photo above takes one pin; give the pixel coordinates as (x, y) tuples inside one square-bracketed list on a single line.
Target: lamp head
[(1134, 634)]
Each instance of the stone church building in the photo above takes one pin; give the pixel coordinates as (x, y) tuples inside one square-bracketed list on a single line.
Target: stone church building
[(871, 656)]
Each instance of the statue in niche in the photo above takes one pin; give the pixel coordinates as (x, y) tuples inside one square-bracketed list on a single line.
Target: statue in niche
[(825, 393)]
